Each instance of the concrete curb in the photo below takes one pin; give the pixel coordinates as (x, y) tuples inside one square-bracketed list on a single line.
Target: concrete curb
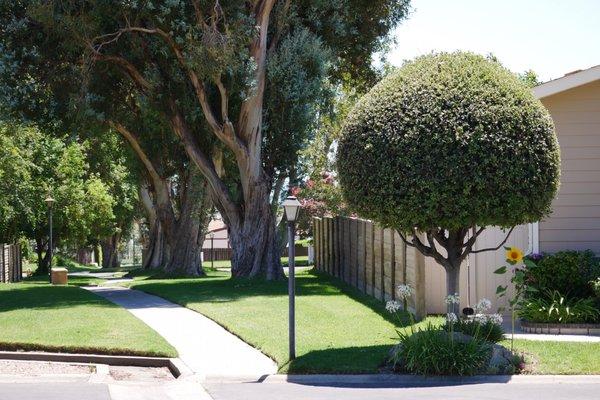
[(175, 365), (394, 380)]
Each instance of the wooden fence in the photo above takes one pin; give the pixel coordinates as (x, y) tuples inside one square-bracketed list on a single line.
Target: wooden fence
[(11, 266), (372, 259), (376, 260)]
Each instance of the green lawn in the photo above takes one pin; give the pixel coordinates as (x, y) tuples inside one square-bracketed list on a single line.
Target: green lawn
[(37, 316), (572, 358), (338, 329)]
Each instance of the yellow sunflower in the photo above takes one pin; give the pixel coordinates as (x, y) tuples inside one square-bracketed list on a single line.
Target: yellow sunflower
[(514, 255)]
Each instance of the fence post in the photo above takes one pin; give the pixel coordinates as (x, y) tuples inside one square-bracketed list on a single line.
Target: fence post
[(3, 264), (20, 258)]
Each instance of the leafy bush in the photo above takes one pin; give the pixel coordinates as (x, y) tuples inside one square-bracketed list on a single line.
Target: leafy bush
[(488, 330), (66, 262), (449, 141), (556, 308), (567, 272), (596, 286), (432, 351)]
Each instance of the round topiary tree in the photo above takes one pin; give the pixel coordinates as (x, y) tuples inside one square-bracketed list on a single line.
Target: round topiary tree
[(445, 146)]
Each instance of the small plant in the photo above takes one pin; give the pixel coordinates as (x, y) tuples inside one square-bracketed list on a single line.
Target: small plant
[(514, 256), (487, 330), (433, 351), (556, 308), (403, 292)]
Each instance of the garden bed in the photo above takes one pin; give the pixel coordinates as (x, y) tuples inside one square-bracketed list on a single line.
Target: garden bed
[(558, 329)]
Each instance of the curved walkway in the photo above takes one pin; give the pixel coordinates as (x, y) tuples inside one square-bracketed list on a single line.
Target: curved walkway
[(203, 345)]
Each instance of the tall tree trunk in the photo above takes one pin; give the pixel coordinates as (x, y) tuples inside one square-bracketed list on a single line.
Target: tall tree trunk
[(254, 244), (84, 255), (155, 250), (110, 253), (190, 228), (96, 250), (42, 260), (453, 287)]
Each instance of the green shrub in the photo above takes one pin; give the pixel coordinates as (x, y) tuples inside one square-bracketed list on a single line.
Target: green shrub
[(433, 351), (449, 141), (567, 272), (556, 308), (596, 286), (66, 262), (488, 331)]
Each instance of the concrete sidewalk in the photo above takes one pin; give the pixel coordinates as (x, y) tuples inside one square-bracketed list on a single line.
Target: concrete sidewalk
[(203, 345)]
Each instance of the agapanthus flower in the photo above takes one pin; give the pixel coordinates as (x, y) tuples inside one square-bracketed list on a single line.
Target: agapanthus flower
[(481, 318), (393, 306), (483, 305), (495, 319), (452, 299), (451, 318), (404, 292)]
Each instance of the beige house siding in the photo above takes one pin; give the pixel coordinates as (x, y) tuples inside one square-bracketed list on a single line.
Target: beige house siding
[(575, 221)]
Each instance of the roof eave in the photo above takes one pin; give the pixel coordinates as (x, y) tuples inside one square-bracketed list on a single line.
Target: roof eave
[(567, 82)]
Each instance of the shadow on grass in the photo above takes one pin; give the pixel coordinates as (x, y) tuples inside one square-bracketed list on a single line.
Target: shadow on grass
[(375, 374), (20, 296), (340, 360), (218, 287)]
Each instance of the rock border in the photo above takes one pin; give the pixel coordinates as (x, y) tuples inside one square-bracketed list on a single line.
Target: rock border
[(560, 329), (175, 365)]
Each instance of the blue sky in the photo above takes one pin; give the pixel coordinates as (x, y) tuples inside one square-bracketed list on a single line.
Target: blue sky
[(552, 37)]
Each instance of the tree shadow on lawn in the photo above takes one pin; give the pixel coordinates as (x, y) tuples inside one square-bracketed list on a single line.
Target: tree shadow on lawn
[(220, 289), (19, 296), (368, 360)]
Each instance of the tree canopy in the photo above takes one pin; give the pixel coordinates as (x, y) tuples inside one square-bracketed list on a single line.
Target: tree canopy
[(452, 142)]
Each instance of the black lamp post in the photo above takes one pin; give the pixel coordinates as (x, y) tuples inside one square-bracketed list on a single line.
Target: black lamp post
[(212, 250), (291, 205), (50, 203)]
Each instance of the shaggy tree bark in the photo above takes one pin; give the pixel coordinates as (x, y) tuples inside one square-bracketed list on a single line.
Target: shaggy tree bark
[(250, 218), (455, 246), (181, 231), (190, 227), (155, 249)]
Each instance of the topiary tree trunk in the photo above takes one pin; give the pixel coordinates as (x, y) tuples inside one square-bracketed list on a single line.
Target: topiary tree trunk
[(456, 245)]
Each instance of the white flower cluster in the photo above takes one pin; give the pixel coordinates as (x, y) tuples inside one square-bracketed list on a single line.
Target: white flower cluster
[(452, 299), (393, 306), (404, 292), (451, 318), (483, 318), (482, 306)]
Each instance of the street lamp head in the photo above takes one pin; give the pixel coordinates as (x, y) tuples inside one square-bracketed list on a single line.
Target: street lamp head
[(49, 201), (211, 234), (291, 205)]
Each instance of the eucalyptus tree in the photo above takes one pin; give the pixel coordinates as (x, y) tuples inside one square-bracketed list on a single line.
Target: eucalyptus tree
[(252, 77)]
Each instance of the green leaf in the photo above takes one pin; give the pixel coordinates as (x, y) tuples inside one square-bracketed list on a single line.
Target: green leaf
[(501, 289), (501, 270)]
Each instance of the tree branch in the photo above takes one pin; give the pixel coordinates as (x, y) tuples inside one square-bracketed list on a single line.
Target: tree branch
[(127, 67), (203, 162), (134, 142), (497, 247)]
